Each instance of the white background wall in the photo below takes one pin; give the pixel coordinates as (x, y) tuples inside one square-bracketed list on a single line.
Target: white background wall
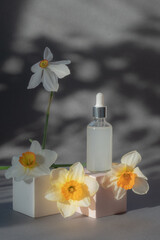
[(114, 47)]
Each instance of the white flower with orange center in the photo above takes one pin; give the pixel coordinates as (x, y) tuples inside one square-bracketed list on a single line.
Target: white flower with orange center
[(34, 163), (48, 72), (126, 175), (71, 189)]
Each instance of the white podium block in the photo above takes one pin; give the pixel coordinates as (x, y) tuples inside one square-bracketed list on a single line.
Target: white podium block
[(28, 197), (103, 202)]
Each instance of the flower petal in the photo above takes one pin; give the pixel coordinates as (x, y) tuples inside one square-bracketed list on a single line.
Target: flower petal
[(47, 54), (92, 185), (139, 173), (53, 195), (49, 156), (50, 81), (8, 173), (59, 176), (35, 67), (15, 160), (39, 171), (66, 210), (60, 70), (117, 169), (109, 178), (141, 186), (20, 176), (131, 159), (16, 171), (118, 192), (35, 80), (85, 202), (61, 62), (76, 172), (35, 147)]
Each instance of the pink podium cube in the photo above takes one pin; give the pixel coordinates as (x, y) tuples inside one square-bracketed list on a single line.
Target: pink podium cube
[(103, 202)]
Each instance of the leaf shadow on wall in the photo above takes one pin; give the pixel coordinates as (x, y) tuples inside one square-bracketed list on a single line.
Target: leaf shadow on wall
[(131, 70)]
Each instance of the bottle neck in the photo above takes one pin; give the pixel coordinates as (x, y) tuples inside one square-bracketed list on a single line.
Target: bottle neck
[(100, 122), (99, 119)]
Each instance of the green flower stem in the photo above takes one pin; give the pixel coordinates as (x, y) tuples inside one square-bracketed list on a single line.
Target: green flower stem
[(46, 123), (4, 167), (60, 165), (45, 135), (64, 165)]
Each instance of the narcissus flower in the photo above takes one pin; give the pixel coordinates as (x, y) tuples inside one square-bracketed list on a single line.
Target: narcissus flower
[(34, 163), (71, 189), (48, 72), (126, 175)]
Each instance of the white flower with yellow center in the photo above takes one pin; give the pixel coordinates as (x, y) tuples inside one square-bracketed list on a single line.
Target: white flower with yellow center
[(125, 176), (71, 189), (48, 72), (34, 163)]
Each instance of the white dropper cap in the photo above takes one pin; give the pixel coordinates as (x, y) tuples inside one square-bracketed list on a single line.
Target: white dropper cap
[(99, 110), (99, 100)]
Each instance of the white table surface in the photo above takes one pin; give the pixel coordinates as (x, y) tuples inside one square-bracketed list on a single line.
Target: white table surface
[(141, 222)]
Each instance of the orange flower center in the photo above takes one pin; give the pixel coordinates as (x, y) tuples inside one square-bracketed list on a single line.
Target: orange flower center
[(43, 63), (74, 190), (126, 180), (28, 160)]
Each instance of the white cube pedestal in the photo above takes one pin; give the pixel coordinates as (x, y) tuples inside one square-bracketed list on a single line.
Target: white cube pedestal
[(28, 197), (103, 202)]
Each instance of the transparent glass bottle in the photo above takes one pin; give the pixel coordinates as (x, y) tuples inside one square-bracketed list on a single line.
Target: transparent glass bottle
[(99, 141)]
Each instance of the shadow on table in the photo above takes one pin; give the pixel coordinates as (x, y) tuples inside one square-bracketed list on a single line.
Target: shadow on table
[(10, 217), (151, 199)]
